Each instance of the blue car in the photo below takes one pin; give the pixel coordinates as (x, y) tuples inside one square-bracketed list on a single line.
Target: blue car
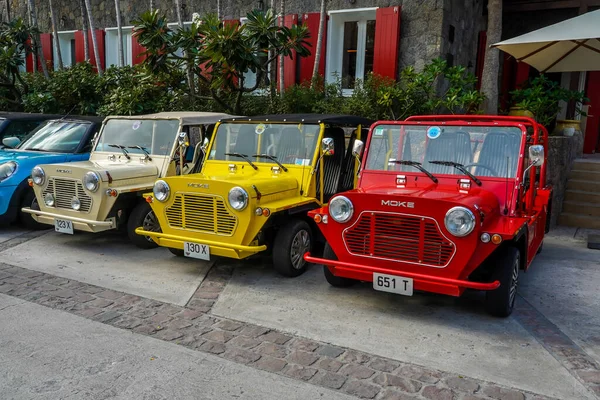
[(56, 141)]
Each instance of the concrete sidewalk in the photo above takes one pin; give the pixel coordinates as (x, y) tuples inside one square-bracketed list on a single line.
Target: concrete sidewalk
[(50, 354)]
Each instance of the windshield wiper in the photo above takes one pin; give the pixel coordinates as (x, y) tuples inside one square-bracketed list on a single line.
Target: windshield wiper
[(244, 156), (118, 146), (36, 149), (417, 165), (272, 158), (459, 167), (142, 149)]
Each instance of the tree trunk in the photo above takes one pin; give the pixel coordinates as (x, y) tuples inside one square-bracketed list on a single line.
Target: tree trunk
[(84, 24), (7, 10), (151, 5), (491, 64), (219, 9), (55, 32), (281, 23), (178, 8), (94, 38), (36, 38), (319, 48), (190, 74), (119, 34)]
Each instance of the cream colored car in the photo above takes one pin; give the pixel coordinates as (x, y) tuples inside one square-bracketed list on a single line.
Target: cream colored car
[(130, 154)]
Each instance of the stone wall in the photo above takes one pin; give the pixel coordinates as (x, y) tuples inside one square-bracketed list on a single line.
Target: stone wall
[(424, 23), (562, 152)]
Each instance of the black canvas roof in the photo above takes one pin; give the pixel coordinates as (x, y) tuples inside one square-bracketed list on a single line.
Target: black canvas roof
[(20, 116), (351, 120)]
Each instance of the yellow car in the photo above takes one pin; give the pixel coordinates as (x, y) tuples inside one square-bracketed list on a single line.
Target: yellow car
[(260, 177), (129, 154)]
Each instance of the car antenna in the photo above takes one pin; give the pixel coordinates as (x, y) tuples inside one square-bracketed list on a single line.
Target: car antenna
[(507, 183), (67, 114)]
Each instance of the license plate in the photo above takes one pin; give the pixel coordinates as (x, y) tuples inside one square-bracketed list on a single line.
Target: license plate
[(393, 284), (195, 250), (62, 226)]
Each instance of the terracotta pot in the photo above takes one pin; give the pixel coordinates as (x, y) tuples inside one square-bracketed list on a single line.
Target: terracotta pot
[(520, 112), (567, 127)]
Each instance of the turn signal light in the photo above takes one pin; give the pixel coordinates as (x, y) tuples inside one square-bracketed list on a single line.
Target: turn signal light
[(318, 218), (30, 182), (111, 192), (149, 199), (496, 239), (266, 212)]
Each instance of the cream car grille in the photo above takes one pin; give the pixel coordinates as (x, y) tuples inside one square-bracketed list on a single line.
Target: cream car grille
[(64, 190)]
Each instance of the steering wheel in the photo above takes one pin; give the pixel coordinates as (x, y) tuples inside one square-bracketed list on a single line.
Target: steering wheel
[(479, 165)]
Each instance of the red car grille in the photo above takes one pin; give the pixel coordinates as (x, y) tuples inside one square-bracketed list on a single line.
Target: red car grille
[(399, 237)]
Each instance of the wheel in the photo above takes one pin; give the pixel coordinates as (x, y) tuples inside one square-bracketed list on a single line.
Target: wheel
[(335, 281), (291, 242), (176, 252), (500, 302), (142, 216), (29, 200)]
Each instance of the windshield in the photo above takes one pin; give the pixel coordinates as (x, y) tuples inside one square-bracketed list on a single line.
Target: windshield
[(286, 143), (485, 151), (155, 136), (56, 137)]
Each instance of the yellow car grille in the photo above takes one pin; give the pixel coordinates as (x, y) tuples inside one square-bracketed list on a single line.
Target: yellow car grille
[(64, 190), (202, 213)]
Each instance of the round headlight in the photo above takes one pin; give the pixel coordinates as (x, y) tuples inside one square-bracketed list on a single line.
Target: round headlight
[(161, 191), (341, 209), (459, 221), (91, 181), (38, 176), (7, 170), (238, 198), (75, 203), (49, 199)]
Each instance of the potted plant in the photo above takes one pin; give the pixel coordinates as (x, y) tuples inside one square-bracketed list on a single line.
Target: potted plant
[(542, 98)]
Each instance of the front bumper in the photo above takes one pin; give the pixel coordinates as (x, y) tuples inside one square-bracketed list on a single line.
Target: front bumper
[(8, 208), (216, 248), (79, 224), (423, 282)]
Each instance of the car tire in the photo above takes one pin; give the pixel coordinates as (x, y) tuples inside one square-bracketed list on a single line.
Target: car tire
[(177, 252), (291, 242), (335, 281), (142, 216), (500, 301), (29, 200)]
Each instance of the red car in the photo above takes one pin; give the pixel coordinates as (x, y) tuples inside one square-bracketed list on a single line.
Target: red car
[(443, 204)]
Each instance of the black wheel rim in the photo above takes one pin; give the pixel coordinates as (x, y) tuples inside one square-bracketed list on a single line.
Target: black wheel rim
[(514, 281), (300, 245), (150, 224)]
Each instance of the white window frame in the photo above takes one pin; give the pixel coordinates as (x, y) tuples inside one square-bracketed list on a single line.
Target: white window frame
[(335, 42), (111, 45), (64, 41)]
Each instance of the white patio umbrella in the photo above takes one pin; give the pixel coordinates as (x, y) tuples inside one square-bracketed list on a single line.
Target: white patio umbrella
[(571, 45)]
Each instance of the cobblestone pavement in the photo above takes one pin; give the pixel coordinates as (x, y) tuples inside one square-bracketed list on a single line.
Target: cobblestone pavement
[(349, 371)]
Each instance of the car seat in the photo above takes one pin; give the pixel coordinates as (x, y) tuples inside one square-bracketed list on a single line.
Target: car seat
[(290, 145), (247, 145), (449, 146), (500, 151), (332, 165)]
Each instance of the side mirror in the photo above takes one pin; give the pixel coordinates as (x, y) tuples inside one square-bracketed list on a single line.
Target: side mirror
[(183, 139), (357, 148), (11, 142), (327, 146), (536, 155)]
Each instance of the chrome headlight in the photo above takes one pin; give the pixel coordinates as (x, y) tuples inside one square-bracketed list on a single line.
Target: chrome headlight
[(91, 181), (75, 203), (341, 209), (38, 175), (460, 221), (7, 170), (238, 198), (161, 190)]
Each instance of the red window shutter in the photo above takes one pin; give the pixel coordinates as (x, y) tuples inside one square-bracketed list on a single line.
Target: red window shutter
[(522, 74), (136, 51), (289, 63), (481, 48), (29, 59), (508, 75), (592, 129), (230, 22), (387, 41), (79, 52), (311, 20), (46, 43)]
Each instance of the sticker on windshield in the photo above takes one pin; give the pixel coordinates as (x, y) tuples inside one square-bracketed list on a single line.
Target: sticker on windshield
[(260, 129), (378, 132), (302, 161), (136, 125), (434, 132)]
